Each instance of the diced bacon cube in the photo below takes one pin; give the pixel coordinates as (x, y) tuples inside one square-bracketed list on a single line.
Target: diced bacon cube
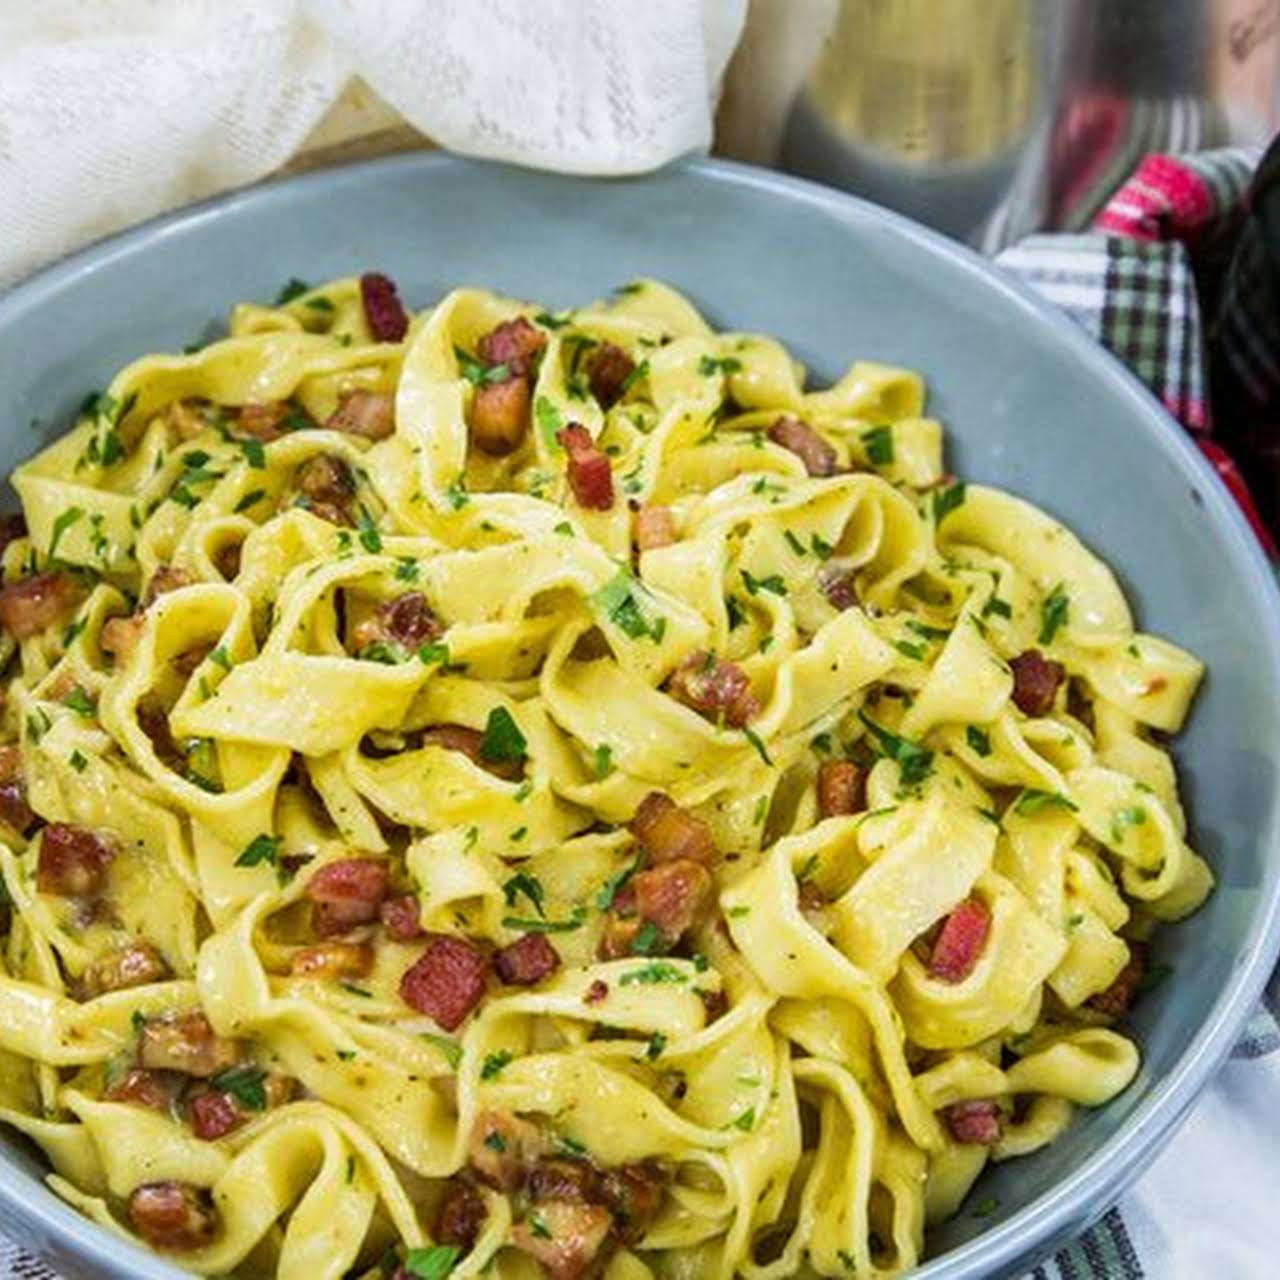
[(134, 965), (402, 917), (332, 960), (370, 415), (609, 371), (447, 981), (527, 961), (173, 1216), (214, 1115), (589, 471), (1118, 998), (73, 861), (716, 689), (500, 416), (347, 893), (263, 422), (976, 1121), (166, 579), (563, 1235), (514, 343), (384, 311), (502, 1147), (30, 605), (633, 1194), (672, 896), (800, 438), (406, 621), (655, 527), (15, 812), (1035, 682), (667, 832), (960, 941), (810, 898), (119, 637), (840, 588), (185, 1042), (460, 1215), (842, 788), (157, 1090), (327, 487), (560, 1178)]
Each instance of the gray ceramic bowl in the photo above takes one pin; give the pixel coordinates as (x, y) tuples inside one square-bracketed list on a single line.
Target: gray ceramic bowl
[(1029, 403)]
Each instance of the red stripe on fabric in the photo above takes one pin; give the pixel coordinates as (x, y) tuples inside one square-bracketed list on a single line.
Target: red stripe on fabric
[(1227, 471), (1163, 200)]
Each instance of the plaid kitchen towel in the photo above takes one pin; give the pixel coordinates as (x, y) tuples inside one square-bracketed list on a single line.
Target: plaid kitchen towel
[(1170, 279), (1176, 278)]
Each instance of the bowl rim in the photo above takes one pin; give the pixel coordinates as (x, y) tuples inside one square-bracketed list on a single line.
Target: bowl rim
[(1093, 1186)]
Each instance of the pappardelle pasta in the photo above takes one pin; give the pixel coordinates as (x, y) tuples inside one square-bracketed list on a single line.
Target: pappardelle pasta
[(533, 792)]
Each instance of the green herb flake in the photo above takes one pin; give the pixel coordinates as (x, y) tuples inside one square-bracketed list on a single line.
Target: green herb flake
[(434, 1262), (434, 652), (254, 454), (945, 501), (1031, 802), (1123, 819), (346, 1055), (406, 570), (746, 1121), (525, 924), (77, 762), (754, 738), (772, 582), (524, 884), (657, 1043), (1054, 614), (494, 1063), (502, 741), (79, 701), (293, 289), (221, 657), (821, 547), (549, 421), (878, 443), (451, 1049), (1000, 608), (319, 303), (564, 529), (910, 649), (651, 974), (61, 525), (985, 1208), (709, 366), (602, 763), (795, 544), (620, 601), (262, 848), (978, 740), (370, 538), (245, 1085), (609, 890), (250, 499), (914, 761)]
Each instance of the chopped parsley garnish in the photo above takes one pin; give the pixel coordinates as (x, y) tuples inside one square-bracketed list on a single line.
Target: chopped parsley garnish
[(978, 740), (640, 372), (537, 1227), (1001, 608), (914, 761), (910, 649), (295, 288), (262, 848), (1031, 802), (451, 1049), (250, 499), (1123, 819), (709, 366), (564, 529), (221, 657), (794, 543), (254, 454), (476, 372), (746, 1121), (655, 972), (879, 445), (754, 738), (620, 600), (523, 883), (61, 525), (496, 1142), (985, 1208), (772, 582), (77, 762), (434, 652), (648, 940), (370, 538), (657, 1042), (502, 741), (456, 494), (362, 992), (549, 421), (945, 501), (406, 570), (549, 321), (632, 286), (244, 1084), (80, 702), (602, 763), (925, 630), (1053, 614), (494, 1063), (523, 924), (736, 613), (435, 1262), (319, 303), (609, 890)]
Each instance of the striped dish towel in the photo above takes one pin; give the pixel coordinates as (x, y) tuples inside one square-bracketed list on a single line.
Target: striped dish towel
[(1136, 281)]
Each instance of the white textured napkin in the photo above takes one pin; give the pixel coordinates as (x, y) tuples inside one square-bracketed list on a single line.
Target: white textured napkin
[(114, 110)]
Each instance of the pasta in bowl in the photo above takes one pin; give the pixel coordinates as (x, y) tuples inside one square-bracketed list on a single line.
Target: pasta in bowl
[(500, 790)]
